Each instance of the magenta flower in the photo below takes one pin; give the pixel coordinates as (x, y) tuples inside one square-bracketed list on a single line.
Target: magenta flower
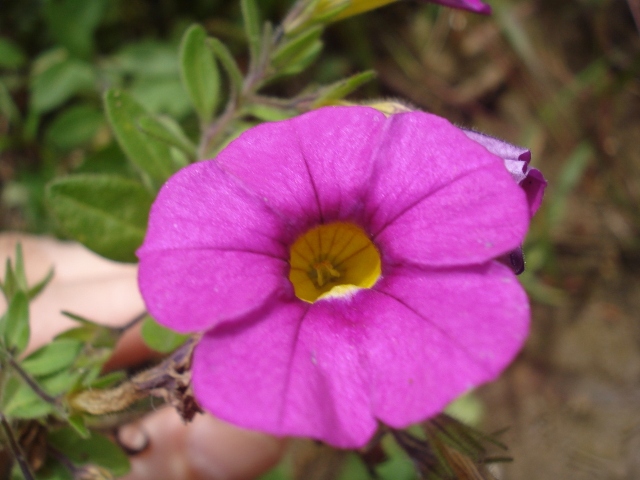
[(516, 160), (471, 5), (359, 6), (342, 266)]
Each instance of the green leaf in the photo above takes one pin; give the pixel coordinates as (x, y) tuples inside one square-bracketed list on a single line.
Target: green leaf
[(149, 155), (108, 380), (159, 338), (52, 357), (61, 382), (76, 422), (21, 402), (342, 88), (267, 113), (168, 131), (301, 60), (41, 285), (107, 214), (73, 23), (228, 63), (11, 56), (75, 126), (162, 95), (21, 276), (10, 285), (97, 450), (7, 106), (251, 22), (294, 47), (58, 83), (200, 75), (16, 329)]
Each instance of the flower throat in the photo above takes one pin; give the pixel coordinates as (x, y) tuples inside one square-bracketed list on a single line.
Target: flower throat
[(333, 260)]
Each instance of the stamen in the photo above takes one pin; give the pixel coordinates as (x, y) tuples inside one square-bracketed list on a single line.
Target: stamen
[(325, 272)]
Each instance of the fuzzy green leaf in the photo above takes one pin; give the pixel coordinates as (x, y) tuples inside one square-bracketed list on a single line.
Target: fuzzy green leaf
[(107, 214), (58, 83), (159, 338), (302, 59), (20, 401), (97, 450), (11, 55), (295, 46), (41, 285), (52, 357), (228, 63), (75, 126), (16, 323), (251, 22), (168, 131), (151, 156), (199, 72), (342, 88)]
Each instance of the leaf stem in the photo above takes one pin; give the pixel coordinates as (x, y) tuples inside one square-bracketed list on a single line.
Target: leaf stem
[(32, 383), (18, 453)]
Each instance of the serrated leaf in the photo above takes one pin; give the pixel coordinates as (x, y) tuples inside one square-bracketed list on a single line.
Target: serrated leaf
[(169, 132), (159, 338), (251, 23), (199, 72), (58, 83), (342, 88), (228, 63), (151, 156), (16, 328), (107, 214), (97, 450), (52, 357)]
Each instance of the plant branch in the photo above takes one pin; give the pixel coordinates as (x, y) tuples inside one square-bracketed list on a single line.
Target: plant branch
[(16, 449)]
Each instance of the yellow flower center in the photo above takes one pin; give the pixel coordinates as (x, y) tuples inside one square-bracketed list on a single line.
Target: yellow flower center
[(333, 260)]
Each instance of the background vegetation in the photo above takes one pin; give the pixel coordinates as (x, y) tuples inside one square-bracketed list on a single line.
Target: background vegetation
[(560, 77)]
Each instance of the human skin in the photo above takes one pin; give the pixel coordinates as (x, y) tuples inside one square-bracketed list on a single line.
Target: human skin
[(107, 292)]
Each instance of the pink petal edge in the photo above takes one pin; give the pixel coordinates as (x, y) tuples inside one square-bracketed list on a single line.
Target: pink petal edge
[(438, 198), (426, 349)]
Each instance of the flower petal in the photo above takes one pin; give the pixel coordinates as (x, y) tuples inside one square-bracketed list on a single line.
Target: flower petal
[(516, 160), (202, 206), (440, 199), (313, 168), (212, 250), (433, 335), (292, 370), (471, 5), (191, 290)]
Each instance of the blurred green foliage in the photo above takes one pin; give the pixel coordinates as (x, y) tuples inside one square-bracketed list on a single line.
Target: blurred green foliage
[(100, 101)]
